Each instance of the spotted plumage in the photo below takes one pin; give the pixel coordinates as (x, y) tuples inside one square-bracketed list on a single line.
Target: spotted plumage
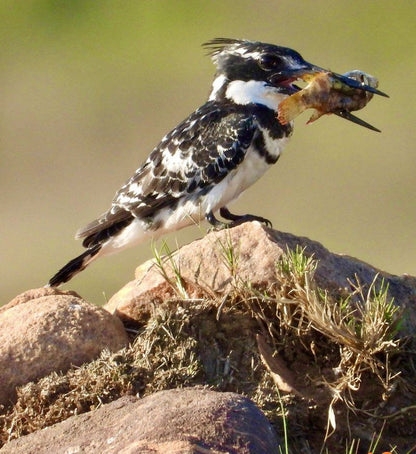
[(207, 160)]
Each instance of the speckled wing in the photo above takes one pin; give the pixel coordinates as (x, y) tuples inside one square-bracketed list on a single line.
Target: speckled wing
[(194, 156)]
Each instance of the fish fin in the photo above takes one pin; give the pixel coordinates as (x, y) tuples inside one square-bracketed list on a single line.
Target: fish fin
[(289, 109), (316, 114)]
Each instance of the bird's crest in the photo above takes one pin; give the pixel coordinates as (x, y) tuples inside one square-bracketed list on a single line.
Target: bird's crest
[(218, 45)]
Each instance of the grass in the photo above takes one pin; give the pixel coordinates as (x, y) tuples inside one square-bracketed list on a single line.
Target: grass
[(169, 268), (327, 350), (362, 324), (56, 397), (230, 255)]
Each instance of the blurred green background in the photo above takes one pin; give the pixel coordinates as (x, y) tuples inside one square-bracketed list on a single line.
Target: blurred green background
[(88, 88)]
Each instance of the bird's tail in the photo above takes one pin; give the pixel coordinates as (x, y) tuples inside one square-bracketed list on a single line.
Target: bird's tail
[(74, 266)]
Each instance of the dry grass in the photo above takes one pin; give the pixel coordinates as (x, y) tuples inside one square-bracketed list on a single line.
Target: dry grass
[(56, 397), (336, 344), (363, 325)]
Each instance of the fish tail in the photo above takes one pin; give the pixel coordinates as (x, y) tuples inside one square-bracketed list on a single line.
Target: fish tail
[(289, 109)]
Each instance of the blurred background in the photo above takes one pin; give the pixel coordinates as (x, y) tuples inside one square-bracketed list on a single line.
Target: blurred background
[(89, 88)]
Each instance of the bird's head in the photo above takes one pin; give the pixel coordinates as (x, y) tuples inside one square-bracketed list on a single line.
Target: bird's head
[(251, 72), (255, 72)]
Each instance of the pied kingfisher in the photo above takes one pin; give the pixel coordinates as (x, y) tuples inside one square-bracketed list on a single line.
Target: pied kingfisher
[(209, 159)]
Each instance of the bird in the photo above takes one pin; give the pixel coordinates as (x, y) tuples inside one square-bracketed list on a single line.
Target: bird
[(209, 159)]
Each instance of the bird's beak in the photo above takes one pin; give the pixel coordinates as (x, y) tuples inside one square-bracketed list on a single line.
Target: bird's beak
[(349, 116)]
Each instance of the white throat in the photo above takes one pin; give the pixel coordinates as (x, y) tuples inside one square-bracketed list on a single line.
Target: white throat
[(254, 92)]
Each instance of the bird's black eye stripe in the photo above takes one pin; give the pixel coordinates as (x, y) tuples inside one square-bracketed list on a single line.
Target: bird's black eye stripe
[(270, 61)]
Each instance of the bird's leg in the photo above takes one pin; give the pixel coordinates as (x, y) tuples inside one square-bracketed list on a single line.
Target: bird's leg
[(239, 219), (216, 224)]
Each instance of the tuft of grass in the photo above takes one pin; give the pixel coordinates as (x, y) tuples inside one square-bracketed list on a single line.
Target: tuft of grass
[(169, 268), (296, 265), (230, 255), (379, 319)]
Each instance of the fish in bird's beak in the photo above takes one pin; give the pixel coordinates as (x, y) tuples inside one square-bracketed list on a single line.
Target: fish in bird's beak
[(327, 93)]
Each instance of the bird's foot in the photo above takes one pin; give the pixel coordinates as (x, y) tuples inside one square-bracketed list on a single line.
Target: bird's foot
[(248, 218), (216, 225), (234, 218), (240, 219)]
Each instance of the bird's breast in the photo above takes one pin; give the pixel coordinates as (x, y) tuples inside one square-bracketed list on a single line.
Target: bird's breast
[(254, 165)]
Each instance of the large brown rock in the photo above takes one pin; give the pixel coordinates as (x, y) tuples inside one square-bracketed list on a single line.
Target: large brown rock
[(45, 330), (204, 266), (175, 421)]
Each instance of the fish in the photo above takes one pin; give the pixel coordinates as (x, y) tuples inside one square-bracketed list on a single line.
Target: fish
[(331, 93)]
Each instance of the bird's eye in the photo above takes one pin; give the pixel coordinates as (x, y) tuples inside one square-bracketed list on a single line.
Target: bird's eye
[(270, 61)]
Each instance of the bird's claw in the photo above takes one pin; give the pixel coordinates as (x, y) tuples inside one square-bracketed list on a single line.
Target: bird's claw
[(217, 225), (251, 218)]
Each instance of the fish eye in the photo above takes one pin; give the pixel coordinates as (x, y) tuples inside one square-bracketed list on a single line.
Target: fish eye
[(270, 61)]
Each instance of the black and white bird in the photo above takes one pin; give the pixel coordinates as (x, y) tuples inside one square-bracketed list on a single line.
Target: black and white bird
[(209, 159)]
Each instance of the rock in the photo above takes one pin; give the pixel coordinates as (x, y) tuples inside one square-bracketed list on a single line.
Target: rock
[(190, 420), (204, 267), (34, 294), (45, 330)]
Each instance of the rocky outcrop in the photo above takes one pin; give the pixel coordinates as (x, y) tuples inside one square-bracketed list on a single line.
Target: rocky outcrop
[(248, 253), (176, 421), (45, 330), (202, 324)]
